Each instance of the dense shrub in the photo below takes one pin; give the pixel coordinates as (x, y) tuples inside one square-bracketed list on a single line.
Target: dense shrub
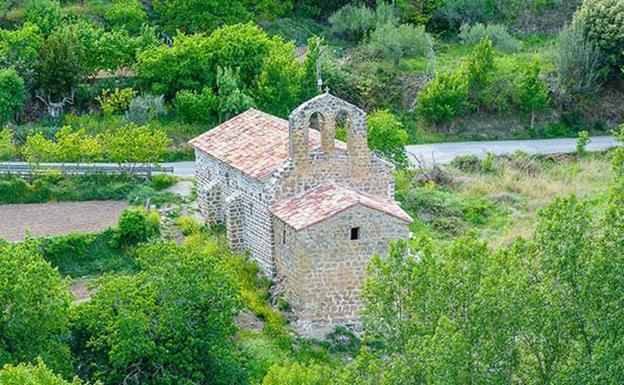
[(144, 108), (116, 102), (532, 94), (12, 95), (196, 107), (29, 374), (177, 314), (603, 25), (126, 14), (417, 11), (8, 150), (393, 42), (579, 62), (19, 49), (34, 303), (132, 144), (496, 32), (443, 98), (135, 226), (353, 22), (387, 136)]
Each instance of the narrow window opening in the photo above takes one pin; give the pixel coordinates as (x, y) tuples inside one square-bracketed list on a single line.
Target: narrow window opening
[(284, 237), (355, 233)]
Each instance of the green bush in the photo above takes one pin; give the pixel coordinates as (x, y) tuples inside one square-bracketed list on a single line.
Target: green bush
[(136, 226), (145, 108), (12, 95), (443, 98), (127, 14), (8, 150), (353, 22), (603, 25), (29, 374), (387, 136), (196, 107), (116, 102), (188, 225), (502, 40), (162, 181), (394, 42), (580, 63)]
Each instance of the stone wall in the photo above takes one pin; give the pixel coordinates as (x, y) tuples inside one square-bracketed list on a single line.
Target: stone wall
[(322, 269), (224, 191)]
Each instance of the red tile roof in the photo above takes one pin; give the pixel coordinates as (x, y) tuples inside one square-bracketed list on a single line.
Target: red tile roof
[(253, 142), (327, 200)]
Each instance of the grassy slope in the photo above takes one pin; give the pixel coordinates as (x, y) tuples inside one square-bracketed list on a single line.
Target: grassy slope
[(502, 204)]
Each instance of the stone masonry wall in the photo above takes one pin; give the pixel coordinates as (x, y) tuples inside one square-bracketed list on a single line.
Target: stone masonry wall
[(323, 269), (253, 231)]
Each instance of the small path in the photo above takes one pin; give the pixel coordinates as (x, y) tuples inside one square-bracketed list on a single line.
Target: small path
[(183, 188), (42, 219), (442, 153)]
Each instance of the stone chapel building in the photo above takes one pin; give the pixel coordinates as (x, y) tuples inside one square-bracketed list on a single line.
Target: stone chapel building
[(310, 209)]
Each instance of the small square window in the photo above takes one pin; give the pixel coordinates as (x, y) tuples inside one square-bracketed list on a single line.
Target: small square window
[(355, 233)]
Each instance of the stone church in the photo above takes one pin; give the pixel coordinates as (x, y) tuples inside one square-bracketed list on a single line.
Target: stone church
[(310, 209)]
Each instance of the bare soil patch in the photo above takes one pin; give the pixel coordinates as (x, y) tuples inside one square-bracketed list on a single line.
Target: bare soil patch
[(43, 219)]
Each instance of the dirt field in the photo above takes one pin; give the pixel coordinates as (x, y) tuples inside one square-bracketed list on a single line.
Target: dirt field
[(57, 218)]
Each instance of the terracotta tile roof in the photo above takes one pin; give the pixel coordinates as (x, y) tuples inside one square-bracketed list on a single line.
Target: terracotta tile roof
[(253, 142), (327, 200)]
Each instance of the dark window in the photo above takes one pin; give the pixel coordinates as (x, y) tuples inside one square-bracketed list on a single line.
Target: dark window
[(355, 233), (284, 237)]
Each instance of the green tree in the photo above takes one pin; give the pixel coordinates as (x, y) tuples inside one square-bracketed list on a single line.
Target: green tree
[(387, 136), (128, 15), (417, 11), (443, 98), (12, 95), (38, 149), (532, 93), (34, 308), (232, 98), (394, 42), (195, 107), (131, 145), (603, 26), (298, 374), (61, 63), (28, 374), (186, 65), (45, 14), (205, 16), (8, 149), (173, 322), (20, 49), (478, 72), (280, 82), (76, 146)]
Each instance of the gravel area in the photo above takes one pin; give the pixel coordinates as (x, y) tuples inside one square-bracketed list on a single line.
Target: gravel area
[(57, 218)]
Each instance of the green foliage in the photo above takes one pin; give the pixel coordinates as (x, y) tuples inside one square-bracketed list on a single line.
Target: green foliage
[(387, 136), (443, 98), (582, 141), (188, 225), (479, 68), (417, 11), (498, 33), (185, 65), (20, 49), (173, 322), (298, 374), (136, 226), (8, 150), (487, 163), (28, 374), (353, 22), (34, 304), (603, 26), (117, 101), (126, 14), (61, 63), (38, 149), (579, 62), (12, 95), (69, 146), (132, 144), (145, 108), (195, 107), (532, 94), (232, 99), (45, 14), (394, 42)]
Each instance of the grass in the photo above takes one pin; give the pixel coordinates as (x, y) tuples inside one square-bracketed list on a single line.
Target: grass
[(502, 204)]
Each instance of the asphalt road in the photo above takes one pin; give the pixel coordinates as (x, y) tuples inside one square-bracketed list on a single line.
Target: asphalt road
[(445, 152), (442, 153)]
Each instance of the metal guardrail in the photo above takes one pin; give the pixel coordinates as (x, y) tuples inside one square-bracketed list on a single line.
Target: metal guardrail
[(81, 169)]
